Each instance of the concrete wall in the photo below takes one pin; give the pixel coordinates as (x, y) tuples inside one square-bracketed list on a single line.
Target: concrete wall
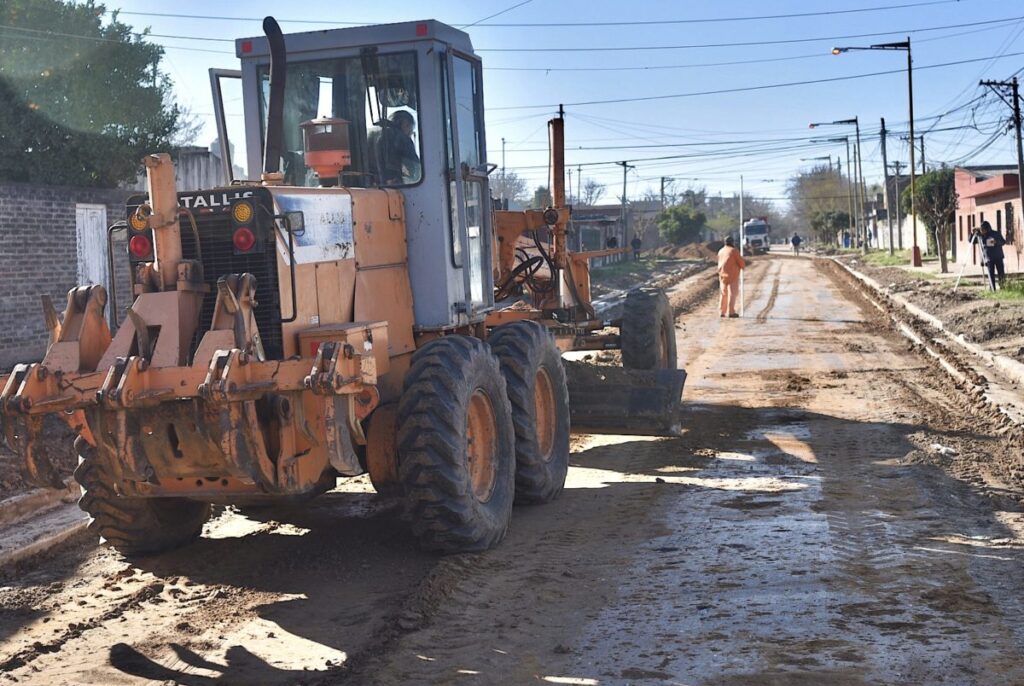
[(39, 254)]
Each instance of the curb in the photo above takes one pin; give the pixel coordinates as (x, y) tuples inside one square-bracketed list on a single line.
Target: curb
[(20, 507), (983, 385), (1013, 369)]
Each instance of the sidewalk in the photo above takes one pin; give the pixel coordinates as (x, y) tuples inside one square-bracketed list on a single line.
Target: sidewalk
[(971, 272)]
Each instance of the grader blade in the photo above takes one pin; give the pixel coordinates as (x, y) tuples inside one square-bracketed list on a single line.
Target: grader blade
[(614, 400)]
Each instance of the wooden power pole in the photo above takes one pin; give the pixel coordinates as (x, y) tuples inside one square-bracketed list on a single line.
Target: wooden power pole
[(1001, 88)]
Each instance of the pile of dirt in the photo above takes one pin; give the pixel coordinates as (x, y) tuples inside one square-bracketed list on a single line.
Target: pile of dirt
[(691, 251)]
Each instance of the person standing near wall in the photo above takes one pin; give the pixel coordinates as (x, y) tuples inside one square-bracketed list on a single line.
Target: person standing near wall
[(636, 243), (730, 264)]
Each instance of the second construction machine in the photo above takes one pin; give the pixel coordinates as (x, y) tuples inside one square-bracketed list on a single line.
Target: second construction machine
[(361, 307)]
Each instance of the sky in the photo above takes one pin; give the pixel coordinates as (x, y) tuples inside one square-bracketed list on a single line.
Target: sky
[(654, 60)]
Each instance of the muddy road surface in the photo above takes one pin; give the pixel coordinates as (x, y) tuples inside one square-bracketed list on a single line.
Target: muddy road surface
[(833, 514)]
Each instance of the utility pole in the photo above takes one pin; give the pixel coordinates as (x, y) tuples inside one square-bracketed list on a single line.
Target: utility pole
[(504, 181), (919, 139), (849, 191), (863, 190), (888, 200), (663, 192), (625, 227), (579, 200), (742, 243), (999, 88), (898, 167)]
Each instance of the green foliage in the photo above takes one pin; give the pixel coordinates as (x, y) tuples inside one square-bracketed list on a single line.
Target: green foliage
[(900, 258), (82, 100), (680, 224), (935, 201), (827, 223), (1013, 289), (723, 224)]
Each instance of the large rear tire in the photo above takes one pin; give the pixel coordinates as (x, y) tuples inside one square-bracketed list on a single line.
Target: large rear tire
[(648, 333), (539, 394), (456, 446), (134, 526)]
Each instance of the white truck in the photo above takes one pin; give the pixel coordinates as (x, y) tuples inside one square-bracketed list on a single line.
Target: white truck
[(756, 236)]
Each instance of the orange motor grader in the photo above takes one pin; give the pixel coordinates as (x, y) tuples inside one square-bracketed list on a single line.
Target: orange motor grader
[(361, 307)]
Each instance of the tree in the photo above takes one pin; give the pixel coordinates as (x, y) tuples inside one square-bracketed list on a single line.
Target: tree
[(680, 224), (826, 224), (541, 198), (817, 191), (509, 186), (935, 203), (591, 193), (83, 100)]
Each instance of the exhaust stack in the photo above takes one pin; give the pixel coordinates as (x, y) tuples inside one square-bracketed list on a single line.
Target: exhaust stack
[(275, 104)]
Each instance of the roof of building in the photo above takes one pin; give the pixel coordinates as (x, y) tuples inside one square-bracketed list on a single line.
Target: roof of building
[(987, 171)]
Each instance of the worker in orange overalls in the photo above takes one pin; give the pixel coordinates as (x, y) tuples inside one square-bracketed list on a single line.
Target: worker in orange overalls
[(730, 264)]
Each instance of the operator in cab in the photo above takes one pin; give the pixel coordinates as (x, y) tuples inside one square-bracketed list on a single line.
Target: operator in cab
[(393, 153)]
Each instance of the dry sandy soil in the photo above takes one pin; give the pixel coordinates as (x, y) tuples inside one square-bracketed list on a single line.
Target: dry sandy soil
[(834, 513)]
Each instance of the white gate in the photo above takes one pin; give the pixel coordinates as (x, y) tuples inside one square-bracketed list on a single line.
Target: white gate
[(91, 229)]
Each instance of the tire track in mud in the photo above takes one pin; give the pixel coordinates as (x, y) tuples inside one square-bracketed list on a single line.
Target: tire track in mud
[(75, 630), (762, 316), (512, 614)]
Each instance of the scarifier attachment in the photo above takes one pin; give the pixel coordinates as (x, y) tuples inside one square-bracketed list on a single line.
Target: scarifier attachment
[(614, 400)]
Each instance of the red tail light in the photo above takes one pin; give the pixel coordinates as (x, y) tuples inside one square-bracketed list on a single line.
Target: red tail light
[(140, 247), (244, 239)]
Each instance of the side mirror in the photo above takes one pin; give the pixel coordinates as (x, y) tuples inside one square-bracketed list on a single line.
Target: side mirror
[(296, 222)]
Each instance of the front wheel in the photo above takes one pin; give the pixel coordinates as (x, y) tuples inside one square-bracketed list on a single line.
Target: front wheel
[(537, 389), (648, 334), (134, 526), (456, 446)]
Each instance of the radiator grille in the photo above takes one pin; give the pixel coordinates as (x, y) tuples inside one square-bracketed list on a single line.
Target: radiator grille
[(219, 259)]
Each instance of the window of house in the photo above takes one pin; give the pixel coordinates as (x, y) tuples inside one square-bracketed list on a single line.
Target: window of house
[(961, 227), (999, 220)]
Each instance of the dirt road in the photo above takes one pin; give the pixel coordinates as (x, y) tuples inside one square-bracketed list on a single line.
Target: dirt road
[(831, 516)]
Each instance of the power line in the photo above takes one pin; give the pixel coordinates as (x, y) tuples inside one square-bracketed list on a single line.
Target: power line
[(701, 65), (745, 89), (496, 14), (562, 25), (758, 43)]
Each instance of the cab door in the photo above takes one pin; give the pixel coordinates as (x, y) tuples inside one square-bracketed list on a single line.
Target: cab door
[(468, 192), (226, 89)]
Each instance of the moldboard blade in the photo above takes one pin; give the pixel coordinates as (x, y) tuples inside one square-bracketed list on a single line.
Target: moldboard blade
[(614, 400)]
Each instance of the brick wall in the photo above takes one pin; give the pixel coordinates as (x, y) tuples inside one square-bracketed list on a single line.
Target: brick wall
[(38, 254)]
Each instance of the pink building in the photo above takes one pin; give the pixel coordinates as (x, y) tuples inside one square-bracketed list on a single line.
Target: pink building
[(988, 193)]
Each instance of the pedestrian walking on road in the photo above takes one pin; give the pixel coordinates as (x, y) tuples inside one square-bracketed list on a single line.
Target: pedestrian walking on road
[(991, 243), (730, 264), (637, 243), (796, 241)]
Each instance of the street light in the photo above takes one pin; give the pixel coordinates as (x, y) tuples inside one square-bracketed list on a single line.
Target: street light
[(849, 183), (815, 159), (902, 45), (862, 231)]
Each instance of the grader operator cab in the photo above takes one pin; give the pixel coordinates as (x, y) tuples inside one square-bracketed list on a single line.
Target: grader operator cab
[(359, 307)]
